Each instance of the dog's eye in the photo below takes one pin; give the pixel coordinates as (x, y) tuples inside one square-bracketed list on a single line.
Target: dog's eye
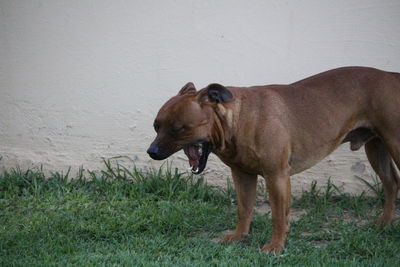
[(177, 130)]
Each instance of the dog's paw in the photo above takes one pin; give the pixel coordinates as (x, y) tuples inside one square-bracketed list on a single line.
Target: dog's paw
[(234, 237), (383, 221), (274, 248)]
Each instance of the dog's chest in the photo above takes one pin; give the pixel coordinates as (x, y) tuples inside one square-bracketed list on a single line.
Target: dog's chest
[(243, 159)]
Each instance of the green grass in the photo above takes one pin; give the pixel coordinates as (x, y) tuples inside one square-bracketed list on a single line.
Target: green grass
[(128, 217)]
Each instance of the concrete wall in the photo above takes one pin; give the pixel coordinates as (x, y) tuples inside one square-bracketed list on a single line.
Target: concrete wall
[(83, 80)]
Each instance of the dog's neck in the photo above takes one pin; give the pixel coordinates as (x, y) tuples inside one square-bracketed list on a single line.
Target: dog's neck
[(223, 127)]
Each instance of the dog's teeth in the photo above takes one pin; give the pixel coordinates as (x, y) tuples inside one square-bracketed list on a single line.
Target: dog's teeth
[(195, 170)]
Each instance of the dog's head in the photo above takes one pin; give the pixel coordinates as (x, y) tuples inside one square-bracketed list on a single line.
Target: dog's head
[(186, 122)]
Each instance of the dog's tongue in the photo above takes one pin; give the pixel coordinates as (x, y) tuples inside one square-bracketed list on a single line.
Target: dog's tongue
[(193, 155), (194, 163)]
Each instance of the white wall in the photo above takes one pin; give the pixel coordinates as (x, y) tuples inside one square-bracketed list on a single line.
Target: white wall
[(82, 80)]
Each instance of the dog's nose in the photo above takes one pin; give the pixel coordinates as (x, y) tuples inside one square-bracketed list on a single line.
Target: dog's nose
[(154, 152)]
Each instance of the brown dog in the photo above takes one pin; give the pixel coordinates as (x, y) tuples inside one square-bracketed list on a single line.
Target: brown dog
[(279, 130)]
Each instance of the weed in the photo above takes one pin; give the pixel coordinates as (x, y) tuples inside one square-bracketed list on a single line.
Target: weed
[(375, 186)]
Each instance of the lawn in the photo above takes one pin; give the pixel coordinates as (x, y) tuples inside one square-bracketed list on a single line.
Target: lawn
[(128, 217)]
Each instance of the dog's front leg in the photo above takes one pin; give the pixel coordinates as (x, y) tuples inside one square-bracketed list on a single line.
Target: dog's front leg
[(245, 187), (279, 196)]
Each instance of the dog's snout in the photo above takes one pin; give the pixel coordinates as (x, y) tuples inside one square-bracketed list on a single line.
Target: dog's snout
[(154, 152)]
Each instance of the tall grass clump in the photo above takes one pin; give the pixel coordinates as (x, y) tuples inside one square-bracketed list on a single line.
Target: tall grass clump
[(114, 181)]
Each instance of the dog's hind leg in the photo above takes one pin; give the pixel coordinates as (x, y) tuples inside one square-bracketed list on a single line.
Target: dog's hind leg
[(382, 163), (394, 149)]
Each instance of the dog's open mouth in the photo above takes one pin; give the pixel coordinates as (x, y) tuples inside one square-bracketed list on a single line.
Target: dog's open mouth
[(198, 155)]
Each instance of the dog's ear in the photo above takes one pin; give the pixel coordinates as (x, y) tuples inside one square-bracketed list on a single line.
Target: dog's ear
[(218, 93), (187, 89)]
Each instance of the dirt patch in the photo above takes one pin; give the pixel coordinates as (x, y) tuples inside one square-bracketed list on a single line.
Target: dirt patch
[(263, 208), (348, 217), (296, 214), (320, 244)]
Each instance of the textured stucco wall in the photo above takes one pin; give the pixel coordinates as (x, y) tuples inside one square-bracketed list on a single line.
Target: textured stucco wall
[(82, 80)]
